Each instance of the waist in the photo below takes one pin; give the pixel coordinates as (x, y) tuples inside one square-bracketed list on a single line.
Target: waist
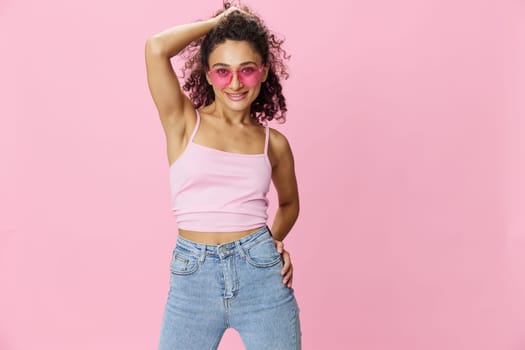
[(215, 238), (211, 244)]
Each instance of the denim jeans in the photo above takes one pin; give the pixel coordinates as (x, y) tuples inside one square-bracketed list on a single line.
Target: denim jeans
[(232, 285)]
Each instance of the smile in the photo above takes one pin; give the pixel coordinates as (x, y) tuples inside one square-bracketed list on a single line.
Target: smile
[(237, 96)]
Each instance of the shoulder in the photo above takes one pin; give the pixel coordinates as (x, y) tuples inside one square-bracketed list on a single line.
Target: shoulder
[(278, 140), (279, 147)]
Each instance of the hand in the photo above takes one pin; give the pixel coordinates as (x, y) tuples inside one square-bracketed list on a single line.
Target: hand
[(230, 10), (287, 270)]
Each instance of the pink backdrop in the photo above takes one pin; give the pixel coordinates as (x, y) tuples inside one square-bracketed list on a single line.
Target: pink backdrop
[(404, 121)]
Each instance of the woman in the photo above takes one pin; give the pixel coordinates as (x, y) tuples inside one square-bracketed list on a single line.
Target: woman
[(228, 268)]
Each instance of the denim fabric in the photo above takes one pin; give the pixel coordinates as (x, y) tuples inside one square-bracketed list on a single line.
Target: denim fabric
[(233, 285)]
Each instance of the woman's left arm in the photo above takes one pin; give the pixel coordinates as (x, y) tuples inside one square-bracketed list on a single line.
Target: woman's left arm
[(285, 182)]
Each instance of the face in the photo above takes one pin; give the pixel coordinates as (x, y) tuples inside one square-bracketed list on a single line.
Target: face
[(236, 73)]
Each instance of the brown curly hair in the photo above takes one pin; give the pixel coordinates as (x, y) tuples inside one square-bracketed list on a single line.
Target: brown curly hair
[(270, 103)]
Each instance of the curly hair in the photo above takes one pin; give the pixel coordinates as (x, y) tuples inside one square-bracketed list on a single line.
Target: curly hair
[(270, 103)]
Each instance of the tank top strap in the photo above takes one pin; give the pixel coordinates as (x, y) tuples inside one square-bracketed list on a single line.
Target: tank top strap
[(267, 139), (197, 123)]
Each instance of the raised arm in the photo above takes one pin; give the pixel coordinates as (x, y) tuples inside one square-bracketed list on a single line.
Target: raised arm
[(172, 104)]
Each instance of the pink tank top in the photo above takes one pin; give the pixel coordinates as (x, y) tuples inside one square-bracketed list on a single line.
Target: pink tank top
[(218, 191)]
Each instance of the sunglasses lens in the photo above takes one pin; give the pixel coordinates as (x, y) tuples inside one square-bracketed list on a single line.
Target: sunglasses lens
[(250, 76), (221, 76)]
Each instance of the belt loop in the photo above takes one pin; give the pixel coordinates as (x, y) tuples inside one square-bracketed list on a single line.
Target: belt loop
[(203, 253), (240, 249), (270, 231)]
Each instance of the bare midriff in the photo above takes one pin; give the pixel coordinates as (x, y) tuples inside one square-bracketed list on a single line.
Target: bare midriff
[(215, 238)]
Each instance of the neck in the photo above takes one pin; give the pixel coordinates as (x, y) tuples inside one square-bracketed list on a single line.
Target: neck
[(231, 117)]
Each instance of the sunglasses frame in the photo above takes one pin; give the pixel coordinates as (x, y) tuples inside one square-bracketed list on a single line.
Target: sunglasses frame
[(212, 74)]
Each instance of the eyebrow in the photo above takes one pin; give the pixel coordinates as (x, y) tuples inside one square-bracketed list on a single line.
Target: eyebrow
[(227, 65)]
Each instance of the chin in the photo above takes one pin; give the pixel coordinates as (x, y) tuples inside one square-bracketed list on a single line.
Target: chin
[(238, 107)]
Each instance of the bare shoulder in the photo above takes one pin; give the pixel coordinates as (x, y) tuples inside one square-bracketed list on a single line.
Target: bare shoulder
[(278, 140), (279, 147)]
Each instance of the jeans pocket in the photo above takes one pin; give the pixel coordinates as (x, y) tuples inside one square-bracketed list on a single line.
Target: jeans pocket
[(263, 253), (183, 264)]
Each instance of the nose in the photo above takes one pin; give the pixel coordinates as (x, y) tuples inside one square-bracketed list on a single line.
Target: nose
[(235, 83)]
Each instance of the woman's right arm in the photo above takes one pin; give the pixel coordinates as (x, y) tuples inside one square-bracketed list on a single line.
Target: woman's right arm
[(172, 104)]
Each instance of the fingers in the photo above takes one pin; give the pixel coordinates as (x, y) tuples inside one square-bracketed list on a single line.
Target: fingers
[(232, 8), (287, 270)]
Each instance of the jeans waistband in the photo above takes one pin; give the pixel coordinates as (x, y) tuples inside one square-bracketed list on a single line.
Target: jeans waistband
[(225, 248)]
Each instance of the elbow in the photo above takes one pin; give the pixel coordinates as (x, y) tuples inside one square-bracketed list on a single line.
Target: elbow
[(292, 206), (153, 46)]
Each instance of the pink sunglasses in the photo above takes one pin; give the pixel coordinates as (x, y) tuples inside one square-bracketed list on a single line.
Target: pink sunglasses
[(248, 76)]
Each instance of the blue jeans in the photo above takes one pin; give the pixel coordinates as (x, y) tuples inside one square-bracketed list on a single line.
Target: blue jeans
[(236, 284)]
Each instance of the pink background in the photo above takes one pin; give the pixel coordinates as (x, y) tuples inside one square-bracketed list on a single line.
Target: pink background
[(404, 121)]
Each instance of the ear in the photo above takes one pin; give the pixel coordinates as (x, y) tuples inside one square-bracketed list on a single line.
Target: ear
[(265, 73)]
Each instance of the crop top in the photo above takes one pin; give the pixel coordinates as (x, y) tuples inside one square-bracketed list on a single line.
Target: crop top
[(219, 191)]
